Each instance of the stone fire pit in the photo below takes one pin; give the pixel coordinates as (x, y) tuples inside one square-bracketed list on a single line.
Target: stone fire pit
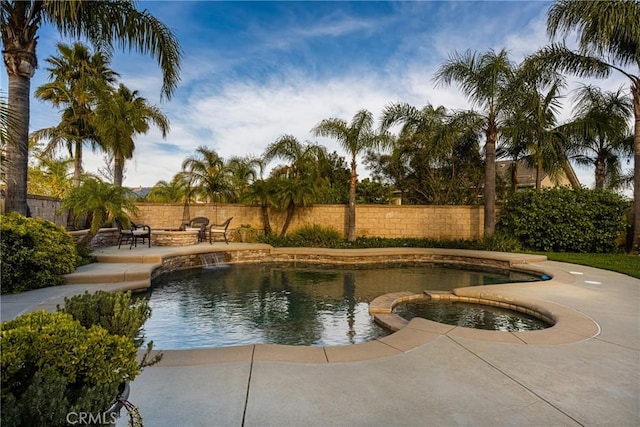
[(174, 237)]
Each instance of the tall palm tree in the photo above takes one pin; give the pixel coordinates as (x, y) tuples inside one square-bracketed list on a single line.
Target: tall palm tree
[(447, 137), (103, 23), (78, 79), (483, 78), (601, 132), (609, 40), (7, 120), (355, 138), (120, 117), (532, 128)]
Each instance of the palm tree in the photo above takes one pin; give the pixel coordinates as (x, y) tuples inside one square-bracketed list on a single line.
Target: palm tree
[(295, 183), (609, 40), (483, 79), (302, 158), (601, 132), (532, 129), (355, 138), (263, 193), (208, 174), (6, 121), (174, 191), (103, 23), (244, 172), (78, 79), (51, 177), (291, 194), (120, 117), (444, 141), (99, 201)]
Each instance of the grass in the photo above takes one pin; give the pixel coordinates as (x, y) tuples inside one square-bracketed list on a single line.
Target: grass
[(621, 263)]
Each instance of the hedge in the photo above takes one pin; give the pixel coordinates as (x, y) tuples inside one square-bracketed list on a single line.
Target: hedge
[(565, 220), (35, 253)]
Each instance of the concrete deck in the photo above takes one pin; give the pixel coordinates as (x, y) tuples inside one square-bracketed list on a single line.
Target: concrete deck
[(583, 371)]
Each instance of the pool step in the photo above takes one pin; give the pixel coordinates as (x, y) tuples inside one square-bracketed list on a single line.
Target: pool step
[(135, 274)]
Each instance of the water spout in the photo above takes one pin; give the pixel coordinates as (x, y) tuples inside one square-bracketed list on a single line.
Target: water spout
[(212, 260)]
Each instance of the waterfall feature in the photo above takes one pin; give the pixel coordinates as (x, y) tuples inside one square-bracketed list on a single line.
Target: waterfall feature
[(212, 260)]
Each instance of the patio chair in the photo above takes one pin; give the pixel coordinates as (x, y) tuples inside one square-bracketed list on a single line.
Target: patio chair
[(199, 223), (132, 234), (219, 229), (140, 232)]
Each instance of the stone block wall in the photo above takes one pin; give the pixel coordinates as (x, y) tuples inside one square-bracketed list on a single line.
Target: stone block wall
[(167, 216), (43, 207), (437, 222)]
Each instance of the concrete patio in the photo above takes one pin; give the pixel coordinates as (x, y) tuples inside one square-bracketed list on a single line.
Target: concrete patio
[(583, 371)]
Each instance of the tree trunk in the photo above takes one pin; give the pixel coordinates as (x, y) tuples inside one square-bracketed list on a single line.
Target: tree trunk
[(601, 173), (77, 164), (17, 149), (490, 180), (351, 219), (539, 175), (266, 224), (118, 170), (19, 47), (291, 208), (635, 90), (86, 239)]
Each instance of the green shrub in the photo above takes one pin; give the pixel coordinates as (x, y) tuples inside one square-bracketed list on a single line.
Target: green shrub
[(501, 242), (497, 242), (316, 236), (85, 256), (306, 236), (52, 366), (35, 253), (115, 312), (246, 234), (565, 220)]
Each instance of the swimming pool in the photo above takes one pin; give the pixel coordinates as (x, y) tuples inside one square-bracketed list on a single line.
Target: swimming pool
[(292, 304)]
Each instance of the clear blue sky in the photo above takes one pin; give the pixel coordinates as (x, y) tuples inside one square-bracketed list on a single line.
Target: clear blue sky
[(253, 71)]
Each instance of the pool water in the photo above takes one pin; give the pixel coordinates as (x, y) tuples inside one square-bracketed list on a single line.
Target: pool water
[(289, 303), (470, 316)]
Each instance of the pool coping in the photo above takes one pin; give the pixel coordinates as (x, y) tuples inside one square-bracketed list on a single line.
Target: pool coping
[(570, 325)]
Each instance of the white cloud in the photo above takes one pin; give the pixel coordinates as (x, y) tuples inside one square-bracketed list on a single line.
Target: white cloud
[(236, 114)]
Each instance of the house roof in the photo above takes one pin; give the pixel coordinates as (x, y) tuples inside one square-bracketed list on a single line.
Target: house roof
[(527, 175)]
